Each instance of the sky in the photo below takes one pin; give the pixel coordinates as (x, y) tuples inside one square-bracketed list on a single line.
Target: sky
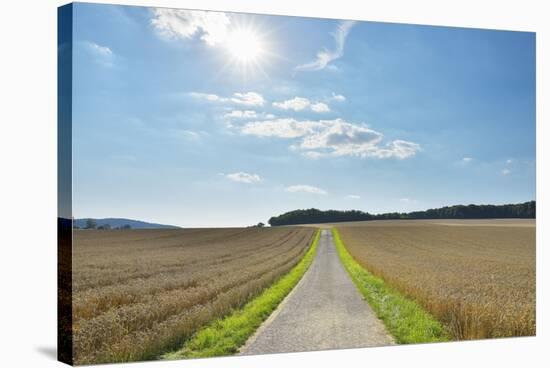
[(208, 119)]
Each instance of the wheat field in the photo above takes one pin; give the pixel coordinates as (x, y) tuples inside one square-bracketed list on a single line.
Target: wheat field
[(477, 279), (140, 293)]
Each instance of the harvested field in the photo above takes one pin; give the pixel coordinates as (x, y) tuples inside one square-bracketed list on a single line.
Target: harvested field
[(478, 280), (141, 293)]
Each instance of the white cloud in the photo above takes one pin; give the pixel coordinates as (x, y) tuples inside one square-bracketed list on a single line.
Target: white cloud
[(282, 128), (212, 27), (325, 56), (408, 200), (353, 196), (301, 103), (206, 96), (467, 159), (398, 148), (243, 177), (188, 134), (320, 107), (296, 104), (508, 162), (305, 189), (506, 171), (102, 55), (331, 138), (247, 115), (339, 98), (242, 114), (100, 50), (246, 99), (312, 154)]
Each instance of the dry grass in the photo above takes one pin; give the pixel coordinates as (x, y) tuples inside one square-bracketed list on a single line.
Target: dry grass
[(141, 293), (479, 281)]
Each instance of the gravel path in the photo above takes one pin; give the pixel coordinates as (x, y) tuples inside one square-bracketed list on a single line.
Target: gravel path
[(324, 311)]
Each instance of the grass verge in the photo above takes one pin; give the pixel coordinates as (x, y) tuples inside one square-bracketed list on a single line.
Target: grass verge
[(226, 335), (405, 319)]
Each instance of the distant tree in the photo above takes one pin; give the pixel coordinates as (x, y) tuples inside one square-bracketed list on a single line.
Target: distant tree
[(107, 227), (472, 211), (260, 224), (126, 227), (91, 224)]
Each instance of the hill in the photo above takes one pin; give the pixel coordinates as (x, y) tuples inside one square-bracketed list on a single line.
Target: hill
[(120, 222), (472, 211)]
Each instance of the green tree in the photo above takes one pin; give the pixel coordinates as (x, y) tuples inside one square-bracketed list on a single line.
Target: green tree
[(91, 224)]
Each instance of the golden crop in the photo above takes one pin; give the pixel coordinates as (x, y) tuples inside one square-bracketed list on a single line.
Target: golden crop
[(140, 293), (478, 280)]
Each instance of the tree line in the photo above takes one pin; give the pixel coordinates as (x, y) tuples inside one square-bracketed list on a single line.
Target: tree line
[(472, 211), (92, 224)]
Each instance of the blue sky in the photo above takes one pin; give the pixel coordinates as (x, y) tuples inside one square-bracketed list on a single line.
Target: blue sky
[(223, 119)]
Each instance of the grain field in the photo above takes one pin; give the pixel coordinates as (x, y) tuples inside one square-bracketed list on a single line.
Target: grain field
[(477, 279), (141, 293)]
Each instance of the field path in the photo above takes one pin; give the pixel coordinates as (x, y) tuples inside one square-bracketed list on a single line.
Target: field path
[(324, 311)]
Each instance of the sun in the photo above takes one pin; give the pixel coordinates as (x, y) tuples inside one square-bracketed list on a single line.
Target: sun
[(248, 51), (245, 46)]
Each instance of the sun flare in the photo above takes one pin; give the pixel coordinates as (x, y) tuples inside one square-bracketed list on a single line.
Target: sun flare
[(244, 45)]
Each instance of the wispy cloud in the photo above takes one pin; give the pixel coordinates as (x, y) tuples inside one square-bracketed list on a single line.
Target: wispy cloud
[(313, 154), (305, 189), (102, 55), (242, 114), (507, 170), (100, 50), (339, 98), (331, 138), (353, 196), (301, 103), (247, 114), (246, 99), (185, 134), (205, 96), (189, 134), (465, 161), (325, 56), (211, 27), (242, 177)]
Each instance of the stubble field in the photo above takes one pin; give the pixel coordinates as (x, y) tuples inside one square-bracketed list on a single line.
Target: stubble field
[(477, 278), (140, 293)]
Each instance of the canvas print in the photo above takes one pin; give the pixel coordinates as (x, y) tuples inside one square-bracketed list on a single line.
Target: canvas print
[(236, 184)]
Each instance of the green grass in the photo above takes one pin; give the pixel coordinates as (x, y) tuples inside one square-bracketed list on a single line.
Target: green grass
[(405, 319), (226, 335)]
